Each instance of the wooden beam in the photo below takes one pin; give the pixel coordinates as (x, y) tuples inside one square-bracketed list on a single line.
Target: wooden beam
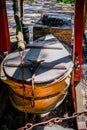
[(19, 32), (4, 30), (78, 35), (21, 9)]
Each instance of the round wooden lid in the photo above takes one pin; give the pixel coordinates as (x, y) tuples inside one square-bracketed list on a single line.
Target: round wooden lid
[(45, 61)]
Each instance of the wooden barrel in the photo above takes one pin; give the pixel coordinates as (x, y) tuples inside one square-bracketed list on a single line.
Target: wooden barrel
[(41, 83)]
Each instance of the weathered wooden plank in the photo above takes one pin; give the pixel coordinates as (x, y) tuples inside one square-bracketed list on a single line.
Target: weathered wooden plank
[(62, 32)]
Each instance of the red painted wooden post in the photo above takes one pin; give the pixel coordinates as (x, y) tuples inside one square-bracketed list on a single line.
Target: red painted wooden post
[(4, 30), (78, 31)]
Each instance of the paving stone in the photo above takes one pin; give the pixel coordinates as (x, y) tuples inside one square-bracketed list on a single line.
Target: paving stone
[(54, 127)]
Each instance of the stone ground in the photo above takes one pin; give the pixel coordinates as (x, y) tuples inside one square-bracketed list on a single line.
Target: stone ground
[(32, 13)]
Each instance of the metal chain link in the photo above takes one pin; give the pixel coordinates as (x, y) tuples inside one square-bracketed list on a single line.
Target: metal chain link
[(33, 78), (56, 120), (21, 53)]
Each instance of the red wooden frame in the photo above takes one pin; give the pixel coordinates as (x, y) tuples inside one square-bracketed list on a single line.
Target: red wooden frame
[(4, 30), (78, 36)]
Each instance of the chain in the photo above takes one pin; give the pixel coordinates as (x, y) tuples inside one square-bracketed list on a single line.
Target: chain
[(33, 78), (32, 101), (56, 120), (21, 53)]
